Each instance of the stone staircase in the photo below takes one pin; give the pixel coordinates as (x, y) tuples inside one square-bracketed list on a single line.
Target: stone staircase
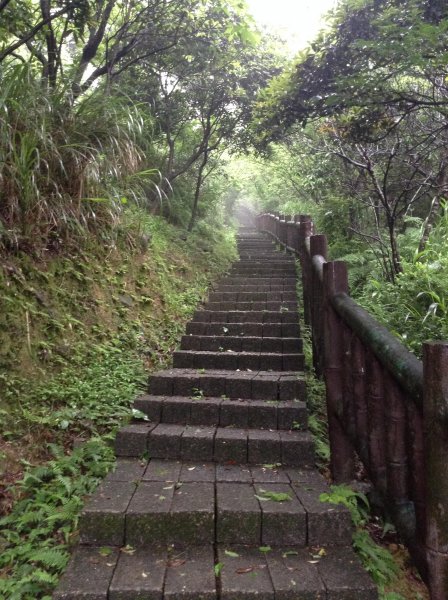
[(216, 495)]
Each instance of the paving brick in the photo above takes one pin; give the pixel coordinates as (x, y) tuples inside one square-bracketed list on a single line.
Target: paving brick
[(264, 446), (294, 576), (297, 448), (88, 575), (139, 575), (248, 361), (127, 469), (198, 471), (290, 330), (162, 470), (262, 414), (265, 387), (201, 316), (292, 345), (293, 362), (213, 383), (283, 522), (102, 520), (195, 328), (238, 518), (291, 415), (190, 575), (190, 342), (151, 406), (251, 344), (161, 383), (233, 473), (234, 413), (291, 387), (192, 516), (231, 445), (269, 473), (148, 513), (198, 443), (244, 575), (176, 409), (272, 344), (271, 362), (186, 384), (165, 441), (205, 411), (239, 385), (328, 524), (344, 578), (131, 440)]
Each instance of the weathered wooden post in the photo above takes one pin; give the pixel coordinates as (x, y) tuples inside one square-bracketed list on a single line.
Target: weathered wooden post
[(435, 420), (318, 248), (342, 459), (306, 230)]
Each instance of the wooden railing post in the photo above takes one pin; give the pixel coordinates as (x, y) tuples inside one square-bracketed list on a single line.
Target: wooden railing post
[(318, 247), (342, 459), (306, 230), (435, 419)]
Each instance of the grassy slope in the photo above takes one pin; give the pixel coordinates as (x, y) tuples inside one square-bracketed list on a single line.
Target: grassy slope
[(78, 336)]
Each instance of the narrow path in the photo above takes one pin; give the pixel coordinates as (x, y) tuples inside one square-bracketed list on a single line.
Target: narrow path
[(227, 506)]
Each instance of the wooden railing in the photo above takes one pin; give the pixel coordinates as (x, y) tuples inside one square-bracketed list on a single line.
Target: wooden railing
[(385, 407)]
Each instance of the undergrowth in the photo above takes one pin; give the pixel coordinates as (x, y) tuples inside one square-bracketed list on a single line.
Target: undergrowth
[(78, 335)]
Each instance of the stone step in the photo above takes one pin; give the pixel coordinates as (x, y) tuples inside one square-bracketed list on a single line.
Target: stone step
[(222, 412), (215, 444), (263, 270), (245, 316), (239, 296), (273, 280), (223, 343), (257, 385), (257, 255), (186, 503), (220, 288), (252, 306), (245, 573), (232, 361), (247, 329)]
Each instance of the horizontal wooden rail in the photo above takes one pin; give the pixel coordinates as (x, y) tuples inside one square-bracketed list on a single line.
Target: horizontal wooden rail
[(385, 407)]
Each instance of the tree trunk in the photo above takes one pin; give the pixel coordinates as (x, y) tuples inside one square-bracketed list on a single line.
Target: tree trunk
[(395, 252), (197, 191)]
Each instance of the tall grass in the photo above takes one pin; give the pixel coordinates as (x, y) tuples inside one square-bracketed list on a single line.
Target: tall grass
[(67, 169)]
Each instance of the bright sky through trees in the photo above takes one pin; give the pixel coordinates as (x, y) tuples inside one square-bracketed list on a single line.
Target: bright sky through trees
[(297, 21)]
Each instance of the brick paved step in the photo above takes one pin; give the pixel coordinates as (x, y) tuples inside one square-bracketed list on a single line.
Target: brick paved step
[(241, 344), (252, 306), (245, 316), (187, 502), (248, 329), (258, 385), (216, 444), (256, 255), (222, 412), (263, 269), (287, 573), (265, 361), (241, 296), (245, 288), (267, 280)]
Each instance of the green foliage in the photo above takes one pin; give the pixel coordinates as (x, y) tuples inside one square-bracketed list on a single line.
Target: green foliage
[(377, 560), (35, 535), (416, 307)]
